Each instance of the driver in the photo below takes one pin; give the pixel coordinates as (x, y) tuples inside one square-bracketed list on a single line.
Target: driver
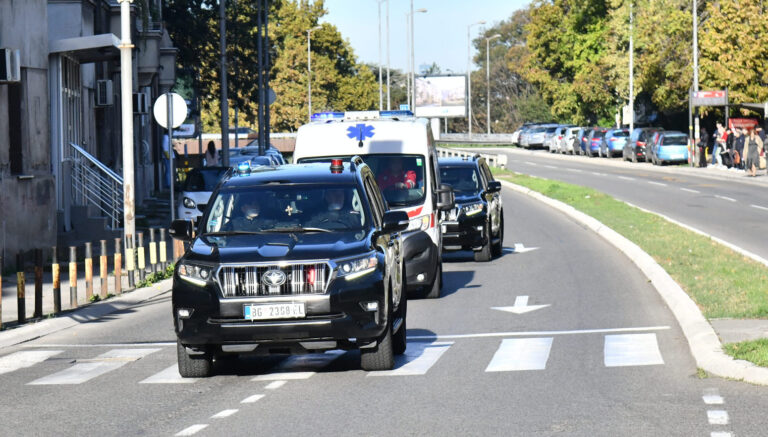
[(394, 176), (337, 211), (251, 218)]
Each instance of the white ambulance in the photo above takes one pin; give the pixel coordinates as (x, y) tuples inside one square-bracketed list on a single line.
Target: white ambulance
[(400, 150)]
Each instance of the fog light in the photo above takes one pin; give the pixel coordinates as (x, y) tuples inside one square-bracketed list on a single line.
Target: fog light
[(479, 228), (184, 313), (371, 306), (420, 277)]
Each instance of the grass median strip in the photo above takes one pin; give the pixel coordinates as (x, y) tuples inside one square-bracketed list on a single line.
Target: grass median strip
[(723, 283)]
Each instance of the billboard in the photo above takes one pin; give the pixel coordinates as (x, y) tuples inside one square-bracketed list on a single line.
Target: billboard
[(441, 96)]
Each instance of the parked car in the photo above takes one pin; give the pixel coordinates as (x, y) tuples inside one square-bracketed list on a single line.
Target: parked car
[(670, 146), (252, 160), (477, 221), (595, 137), (537, 135), (196, 191), (640, 138), (580, 144), (553, 140), (569, 143), (253, 149), (613, 142)]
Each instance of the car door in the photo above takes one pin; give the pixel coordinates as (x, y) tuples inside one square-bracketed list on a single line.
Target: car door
[(390, 244), (494, 202)]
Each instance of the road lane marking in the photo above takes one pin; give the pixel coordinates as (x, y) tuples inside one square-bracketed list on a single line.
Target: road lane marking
[(717, 417), (192, 430), (759, 207), (657, 183), (521, 354), (730, 199), (300, 366), (275, 385), (224, 413), (690, 190), (418, 358), (520, 248), (85, 370), (112, 345), (598, 174), (251, 399), (24, 359), (720, 434), (549, 166), (712, 397), (521, 306), (170, 375), (632, 350), (531, 163), (627, 178), (535, 333), (575, 170)]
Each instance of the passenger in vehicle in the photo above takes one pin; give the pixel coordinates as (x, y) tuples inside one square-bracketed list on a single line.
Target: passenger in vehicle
[(394, 176), (339, 213)]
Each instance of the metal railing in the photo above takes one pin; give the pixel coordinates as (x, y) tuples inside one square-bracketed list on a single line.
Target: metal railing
[(93, 183), (493, 159)]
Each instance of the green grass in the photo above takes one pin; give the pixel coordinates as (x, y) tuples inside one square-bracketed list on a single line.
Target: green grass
[(755, 351)]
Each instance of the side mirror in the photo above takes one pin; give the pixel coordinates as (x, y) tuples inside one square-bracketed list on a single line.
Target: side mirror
[(494, 186), (395, 221), (181, 230), (446, 199)]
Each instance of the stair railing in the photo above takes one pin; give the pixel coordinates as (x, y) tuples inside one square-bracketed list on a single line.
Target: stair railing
[(93, 183)]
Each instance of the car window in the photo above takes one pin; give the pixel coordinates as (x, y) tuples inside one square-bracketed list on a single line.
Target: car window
[(620, 134), (203, 179), (461, 179), (675, 140)]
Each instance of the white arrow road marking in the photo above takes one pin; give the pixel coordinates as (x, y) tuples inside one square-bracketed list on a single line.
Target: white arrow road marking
[(521, 306), (300, 366), (23, 359), (520, 248), (521, 354), (632, 350), (168, 376), (84, 370), (418, 358)]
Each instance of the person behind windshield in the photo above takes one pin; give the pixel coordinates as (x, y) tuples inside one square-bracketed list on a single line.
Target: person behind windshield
[(394, 176), (337, 213), (251, 218)]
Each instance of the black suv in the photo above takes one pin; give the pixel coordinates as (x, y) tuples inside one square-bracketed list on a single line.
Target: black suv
[(292, 259), (477, 221)]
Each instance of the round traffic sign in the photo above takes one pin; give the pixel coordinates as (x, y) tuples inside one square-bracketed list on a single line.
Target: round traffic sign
[(178, 110)]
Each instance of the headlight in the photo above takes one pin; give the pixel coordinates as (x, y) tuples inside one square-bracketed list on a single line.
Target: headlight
[(355, 268), (189, 203), (418, 223), (195, 273), (472, 209)]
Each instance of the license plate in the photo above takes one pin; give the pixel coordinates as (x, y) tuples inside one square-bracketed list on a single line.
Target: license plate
[(274, 311), (678, 156)]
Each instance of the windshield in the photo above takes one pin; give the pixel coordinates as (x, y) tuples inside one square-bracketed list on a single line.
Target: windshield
[(204, 179), (620, 133), (598, 134), (462, 179), (675, 140), (287, 208), (400, 177)]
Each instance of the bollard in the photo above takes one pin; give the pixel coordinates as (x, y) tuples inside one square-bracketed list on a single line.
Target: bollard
[(130, 260), (88, 271), (38, 283), (20, 286), (152, 250), (1, 291), (72, 277), (118, 268), (103, 269), (178, 249), (56, 273), (140, 255), (163, 250)]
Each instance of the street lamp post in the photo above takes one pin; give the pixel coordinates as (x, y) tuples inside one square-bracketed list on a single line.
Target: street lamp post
[(309, 70), (381, 86), (469, 77), (631, 73), (488, 78), (389, 100), (126, 93), (413, 61)]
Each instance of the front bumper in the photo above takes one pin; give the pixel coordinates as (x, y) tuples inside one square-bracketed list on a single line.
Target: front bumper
[(421, 256), (335, 316), (465, 233)]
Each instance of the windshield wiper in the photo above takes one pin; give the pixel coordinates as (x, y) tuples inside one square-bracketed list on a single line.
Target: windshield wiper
[(225, 233), (297, 229)]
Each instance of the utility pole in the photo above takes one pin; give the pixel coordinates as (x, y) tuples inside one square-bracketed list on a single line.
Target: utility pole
[(695, 79), (126, 100), (488, 79), (389, 100), (224, 98), (469, 77), (381, 85), (631, 73)]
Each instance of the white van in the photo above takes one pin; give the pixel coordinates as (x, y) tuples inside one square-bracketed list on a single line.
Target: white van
[(400, 150)]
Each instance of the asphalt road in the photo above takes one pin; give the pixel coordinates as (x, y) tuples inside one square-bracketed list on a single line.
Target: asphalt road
[(602, 357), (729, 206)]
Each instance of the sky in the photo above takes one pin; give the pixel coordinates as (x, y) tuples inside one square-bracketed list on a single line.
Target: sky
[(441, 32)]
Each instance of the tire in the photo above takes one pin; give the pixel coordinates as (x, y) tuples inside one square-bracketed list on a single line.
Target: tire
[(197, 366), (497, 247), (484, 254), (437, 283), (399, 343), (380, 357)]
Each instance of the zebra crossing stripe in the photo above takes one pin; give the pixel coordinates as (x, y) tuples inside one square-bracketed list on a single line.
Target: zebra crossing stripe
[(85, 370), (300, 366), (516, 354), (24, 359), (170, 375), (418, 358), (632, 350)]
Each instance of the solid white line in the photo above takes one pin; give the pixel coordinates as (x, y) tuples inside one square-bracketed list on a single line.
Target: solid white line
[(725, 198), (690, 190), (419, 357), (224, 413), (632, 350), (717, 417), (168, 376), (65, 345), (657, 183), (535, 333), (88, 369), (251, 399), (24, 359), (627, 178), (521, 354), (275, 385), (192, 430), (759, 207)]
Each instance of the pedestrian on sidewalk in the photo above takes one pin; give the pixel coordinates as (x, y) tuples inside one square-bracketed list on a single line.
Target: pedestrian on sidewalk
[(703, 142), (752, 147), (738, 156), (726, 156), (211, 155), (719, 145)]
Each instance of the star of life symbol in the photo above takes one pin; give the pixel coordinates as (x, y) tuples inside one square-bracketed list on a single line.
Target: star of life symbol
[(360, 131)]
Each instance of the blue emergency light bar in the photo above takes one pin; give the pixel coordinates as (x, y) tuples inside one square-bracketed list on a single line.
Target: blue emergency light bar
[(393, 114), (325, 116), (328, 116)]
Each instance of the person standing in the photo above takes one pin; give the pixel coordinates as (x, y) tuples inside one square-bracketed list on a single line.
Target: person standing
[(719, 145), (211, 155), (752, 146), (703, 141), (738, 158)]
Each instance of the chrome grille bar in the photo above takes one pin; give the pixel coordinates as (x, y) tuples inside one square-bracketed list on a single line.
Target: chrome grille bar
[(240, 281)]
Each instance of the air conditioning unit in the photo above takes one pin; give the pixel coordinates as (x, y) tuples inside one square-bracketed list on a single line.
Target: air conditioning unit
[(140, 103), (104, 95), (10, 65)]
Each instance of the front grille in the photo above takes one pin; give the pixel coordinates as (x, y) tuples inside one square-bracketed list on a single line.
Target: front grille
[(239, 281)]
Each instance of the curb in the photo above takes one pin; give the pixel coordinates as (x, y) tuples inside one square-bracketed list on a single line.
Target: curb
[(702, 340), (85, 314)]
